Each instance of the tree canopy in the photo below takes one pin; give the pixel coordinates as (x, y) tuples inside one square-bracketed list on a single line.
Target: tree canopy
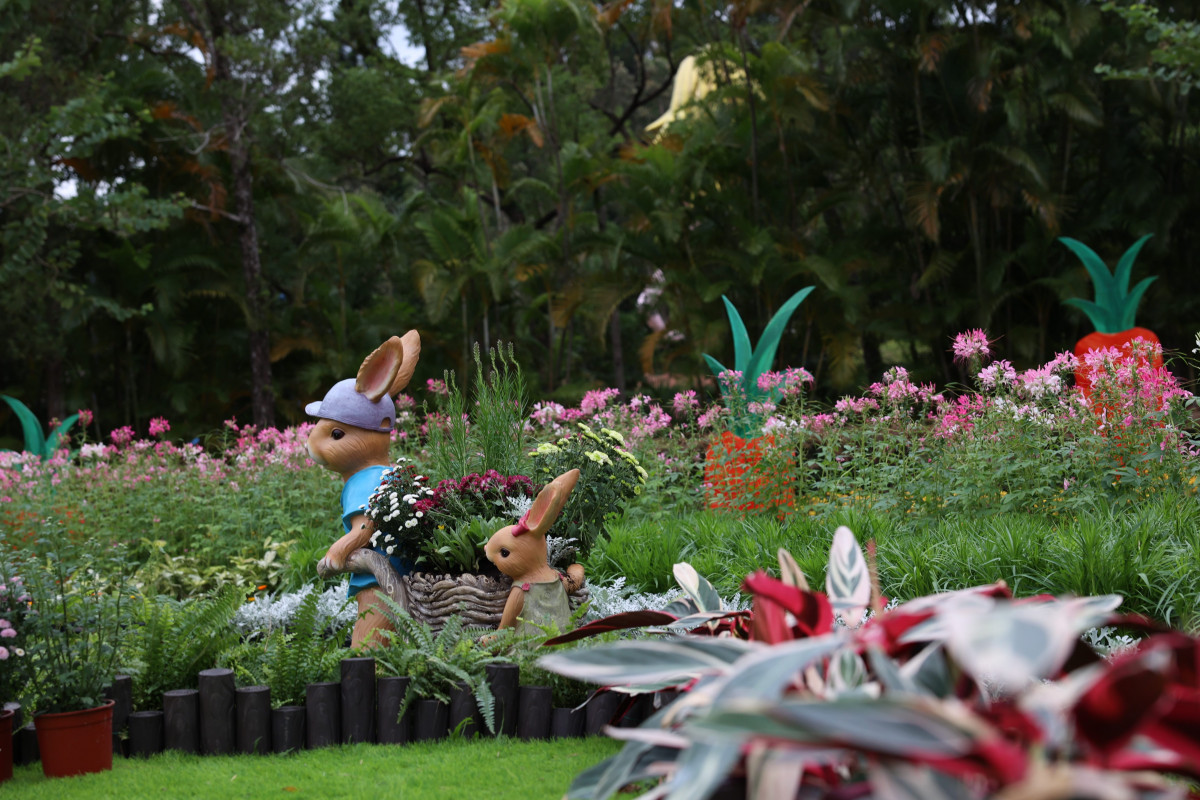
[(212, 208)]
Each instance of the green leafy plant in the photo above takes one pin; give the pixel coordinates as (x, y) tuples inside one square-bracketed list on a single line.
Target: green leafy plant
[(749, 364), (172, 641), (610, 476), (437, 663), (288, 659), (457, 546), (43, 446), (77, 616)]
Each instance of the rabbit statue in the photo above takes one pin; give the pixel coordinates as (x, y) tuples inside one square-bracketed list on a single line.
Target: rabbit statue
[(539, 593), (352, 439)]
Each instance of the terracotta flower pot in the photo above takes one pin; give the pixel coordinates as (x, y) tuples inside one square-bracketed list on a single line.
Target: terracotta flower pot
[(76, 742), (6, 744)]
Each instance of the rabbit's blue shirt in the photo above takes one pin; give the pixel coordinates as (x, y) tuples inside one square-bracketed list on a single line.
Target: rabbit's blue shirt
[(355, 494)]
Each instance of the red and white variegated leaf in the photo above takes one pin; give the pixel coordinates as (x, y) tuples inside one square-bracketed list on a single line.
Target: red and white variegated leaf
[(934, 601), (1009, 646), (907, 727), (790, 572), (1052, 781), (636, 762), (1014, 643), (645, 688), (1143, 754), (898, 780), (652, 736), (674, 660), (848, 581), (1132, 691), (783, 612), (693, 621), (772, 773), (697, 588), (929, 672), (616, 622), (936, 628), (766, 674), (701, 768), (847, 671)]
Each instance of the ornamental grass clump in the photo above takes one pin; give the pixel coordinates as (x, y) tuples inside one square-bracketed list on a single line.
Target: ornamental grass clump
[(486, 431)]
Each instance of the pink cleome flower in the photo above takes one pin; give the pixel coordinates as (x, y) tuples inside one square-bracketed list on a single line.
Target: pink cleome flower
[(970, 345), (685, 403)]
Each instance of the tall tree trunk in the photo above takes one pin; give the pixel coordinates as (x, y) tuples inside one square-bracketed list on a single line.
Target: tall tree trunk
[(56, 403), (262, 395), (235, 116), (618, 354)]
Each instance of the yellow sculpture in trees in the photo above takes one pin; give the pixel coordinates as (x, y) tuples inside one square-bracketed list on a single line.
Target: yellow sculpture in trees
[(694, 80)]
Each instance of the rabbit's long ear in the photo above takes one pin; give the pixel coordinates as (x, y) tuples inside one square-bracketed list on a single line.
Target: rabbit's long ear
[(379, 369), (411, 344), (549, 503)]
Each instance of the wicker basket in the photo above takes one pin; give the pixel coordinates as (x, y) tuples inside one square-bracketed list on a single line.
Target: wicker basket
[(479, 599)]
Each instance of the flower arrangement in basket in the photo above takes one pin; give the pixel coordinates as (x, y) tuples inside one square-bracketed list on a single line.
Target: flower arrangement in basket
[(399, 507), (443, 528)]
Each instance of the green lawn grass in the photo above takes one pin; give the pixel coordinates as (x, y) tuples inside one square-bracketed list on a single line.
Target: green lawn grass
[(494, 769)]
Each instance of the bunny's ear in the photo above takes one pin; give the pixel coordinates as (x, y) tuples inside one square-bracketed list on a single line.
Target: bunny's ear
[(549, 504), (411, 345), (379, 369)]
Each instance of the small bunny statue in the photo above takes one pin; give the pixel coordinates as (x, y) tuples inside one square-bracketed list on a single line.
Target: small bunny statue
[(539, 593), (352, 438)]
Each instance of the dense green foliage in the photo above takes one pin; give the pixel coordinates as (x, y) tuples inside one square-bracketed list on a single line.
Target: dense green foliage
[(288, 659), (168, 643), (270, 188), (1147, 554)]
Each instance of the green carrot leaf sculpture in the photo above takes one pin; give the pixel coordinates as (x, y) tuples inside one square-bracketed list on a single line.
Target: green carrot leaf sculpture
[(35, 442), (1115, 306), (752, 363)]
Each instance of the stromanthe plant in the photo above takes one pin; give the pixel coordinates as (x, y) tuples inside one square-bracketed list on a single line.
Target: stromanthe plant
[(967, 694)]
